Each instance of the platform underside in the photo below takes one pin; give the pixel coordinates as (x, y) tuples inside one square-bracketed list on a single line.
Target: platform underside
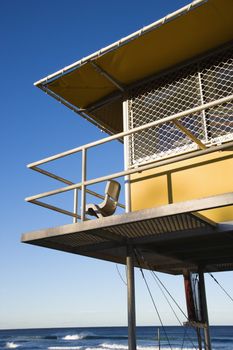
[(169, 238)]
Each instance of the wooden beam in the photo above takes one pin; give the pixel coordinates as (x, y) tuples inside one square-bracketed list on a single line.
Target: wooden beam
[(188, 133)]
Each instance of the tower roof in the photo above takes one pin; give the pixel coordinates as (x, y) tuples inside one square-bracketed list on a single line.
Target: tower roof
[(96, 85)]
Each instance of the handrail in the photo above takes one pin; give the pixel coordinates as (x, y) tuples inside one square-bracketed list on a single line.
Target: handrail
[(131, 171), (52, 207), (134, 130), (84, 182), (68, 182)]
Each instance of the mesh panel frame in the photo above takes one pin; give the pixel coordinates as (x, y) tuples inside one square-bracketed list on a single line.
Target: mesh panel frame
[(195, 84)]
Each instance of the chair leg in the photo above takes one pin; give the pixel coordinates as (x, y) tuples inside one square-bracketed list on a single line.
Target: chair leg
[(94, 211), (98, 213)]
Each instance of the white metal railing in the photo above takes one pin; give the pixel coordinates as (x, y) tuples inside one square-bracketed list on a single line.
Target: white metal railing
[(84, 183)]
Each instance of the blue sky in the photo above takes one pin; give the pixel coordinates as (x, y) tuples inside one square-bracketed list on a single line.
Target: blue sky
[(40, 287)]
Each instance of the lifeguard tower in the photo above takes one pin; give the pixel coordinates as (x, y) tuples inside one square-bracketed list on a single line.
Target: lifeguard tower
[(165, 92)]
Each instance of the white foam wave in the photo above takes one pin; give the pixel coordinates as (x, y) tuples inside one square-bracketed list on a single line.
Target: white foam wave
[(114, 346), (107, 346), (77, 336), (11, 345), (64, 347), (94, 348), (73, 337)]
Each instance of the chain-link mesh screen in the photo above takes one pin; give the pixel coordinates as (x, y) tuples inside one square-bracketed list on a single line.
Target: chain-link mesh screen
[(199, 83)]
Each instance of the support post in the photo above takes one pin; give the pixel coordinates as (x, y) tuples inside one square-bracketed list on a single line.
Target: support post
[(204, 311), (159, 339), (189, 296), (131, 300), (199, 338)]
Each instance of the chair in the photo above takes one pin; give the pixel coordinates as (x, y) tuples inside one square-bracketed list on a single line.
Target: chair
[(109, 204)]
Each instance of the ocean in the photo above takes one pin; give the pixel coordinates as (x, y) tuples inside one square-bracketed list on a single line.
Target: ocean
[(111, 338)]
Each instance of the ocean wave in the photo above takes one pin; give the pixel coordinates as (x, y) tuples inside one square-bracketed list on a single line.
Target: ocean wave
[(26, 338), (125, 347), (90, 336), (73, 337), (93, 348), (79, 336), (11, 345), (222, 339), (113, 337), (50, 337), (64, 347), (114, 346)]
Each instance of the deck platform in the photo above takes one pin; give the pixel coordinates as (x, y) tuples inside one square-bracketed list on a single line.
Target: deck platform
[(170, 238)]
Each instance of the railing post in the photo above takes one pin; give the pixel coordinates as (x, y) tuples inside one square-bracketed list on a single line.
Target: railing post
[(126, 157), (75, 204), (83, 188)]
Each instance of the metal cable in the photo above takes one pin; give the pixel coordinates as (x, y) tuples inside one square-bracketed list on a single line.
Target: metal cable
[(181, 324), (175, 314), (120, 275), (193, 327), (182, 346), (156, 280), (221, 287), (171, 296), (155, 276), (152, 299)]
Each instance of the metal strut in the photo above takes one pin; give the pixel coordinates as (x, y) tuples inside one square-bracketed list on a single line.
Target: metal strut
[(131, 299), (197, 308), (204, 311), (191, 307)]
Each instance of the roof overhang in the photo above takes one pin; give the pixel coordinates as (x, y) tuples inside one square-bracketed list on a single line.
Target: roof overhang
[(95, 86)]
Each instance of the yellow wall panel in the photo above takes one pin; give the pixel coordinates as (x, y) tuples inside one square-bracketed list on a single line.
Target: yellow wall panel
[(199, 177), (149, 191)]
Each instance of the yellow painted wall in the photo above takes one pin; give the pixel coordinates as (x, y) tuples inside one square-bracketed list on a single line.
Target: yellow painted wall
[(199, 177)]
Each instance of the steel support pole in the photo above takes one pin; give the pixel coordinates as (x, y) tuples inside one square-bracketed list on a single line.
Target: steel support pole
[(199, 338), (204, 311), (131, 300), (159, 339), (189, 296), (130, 257)]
